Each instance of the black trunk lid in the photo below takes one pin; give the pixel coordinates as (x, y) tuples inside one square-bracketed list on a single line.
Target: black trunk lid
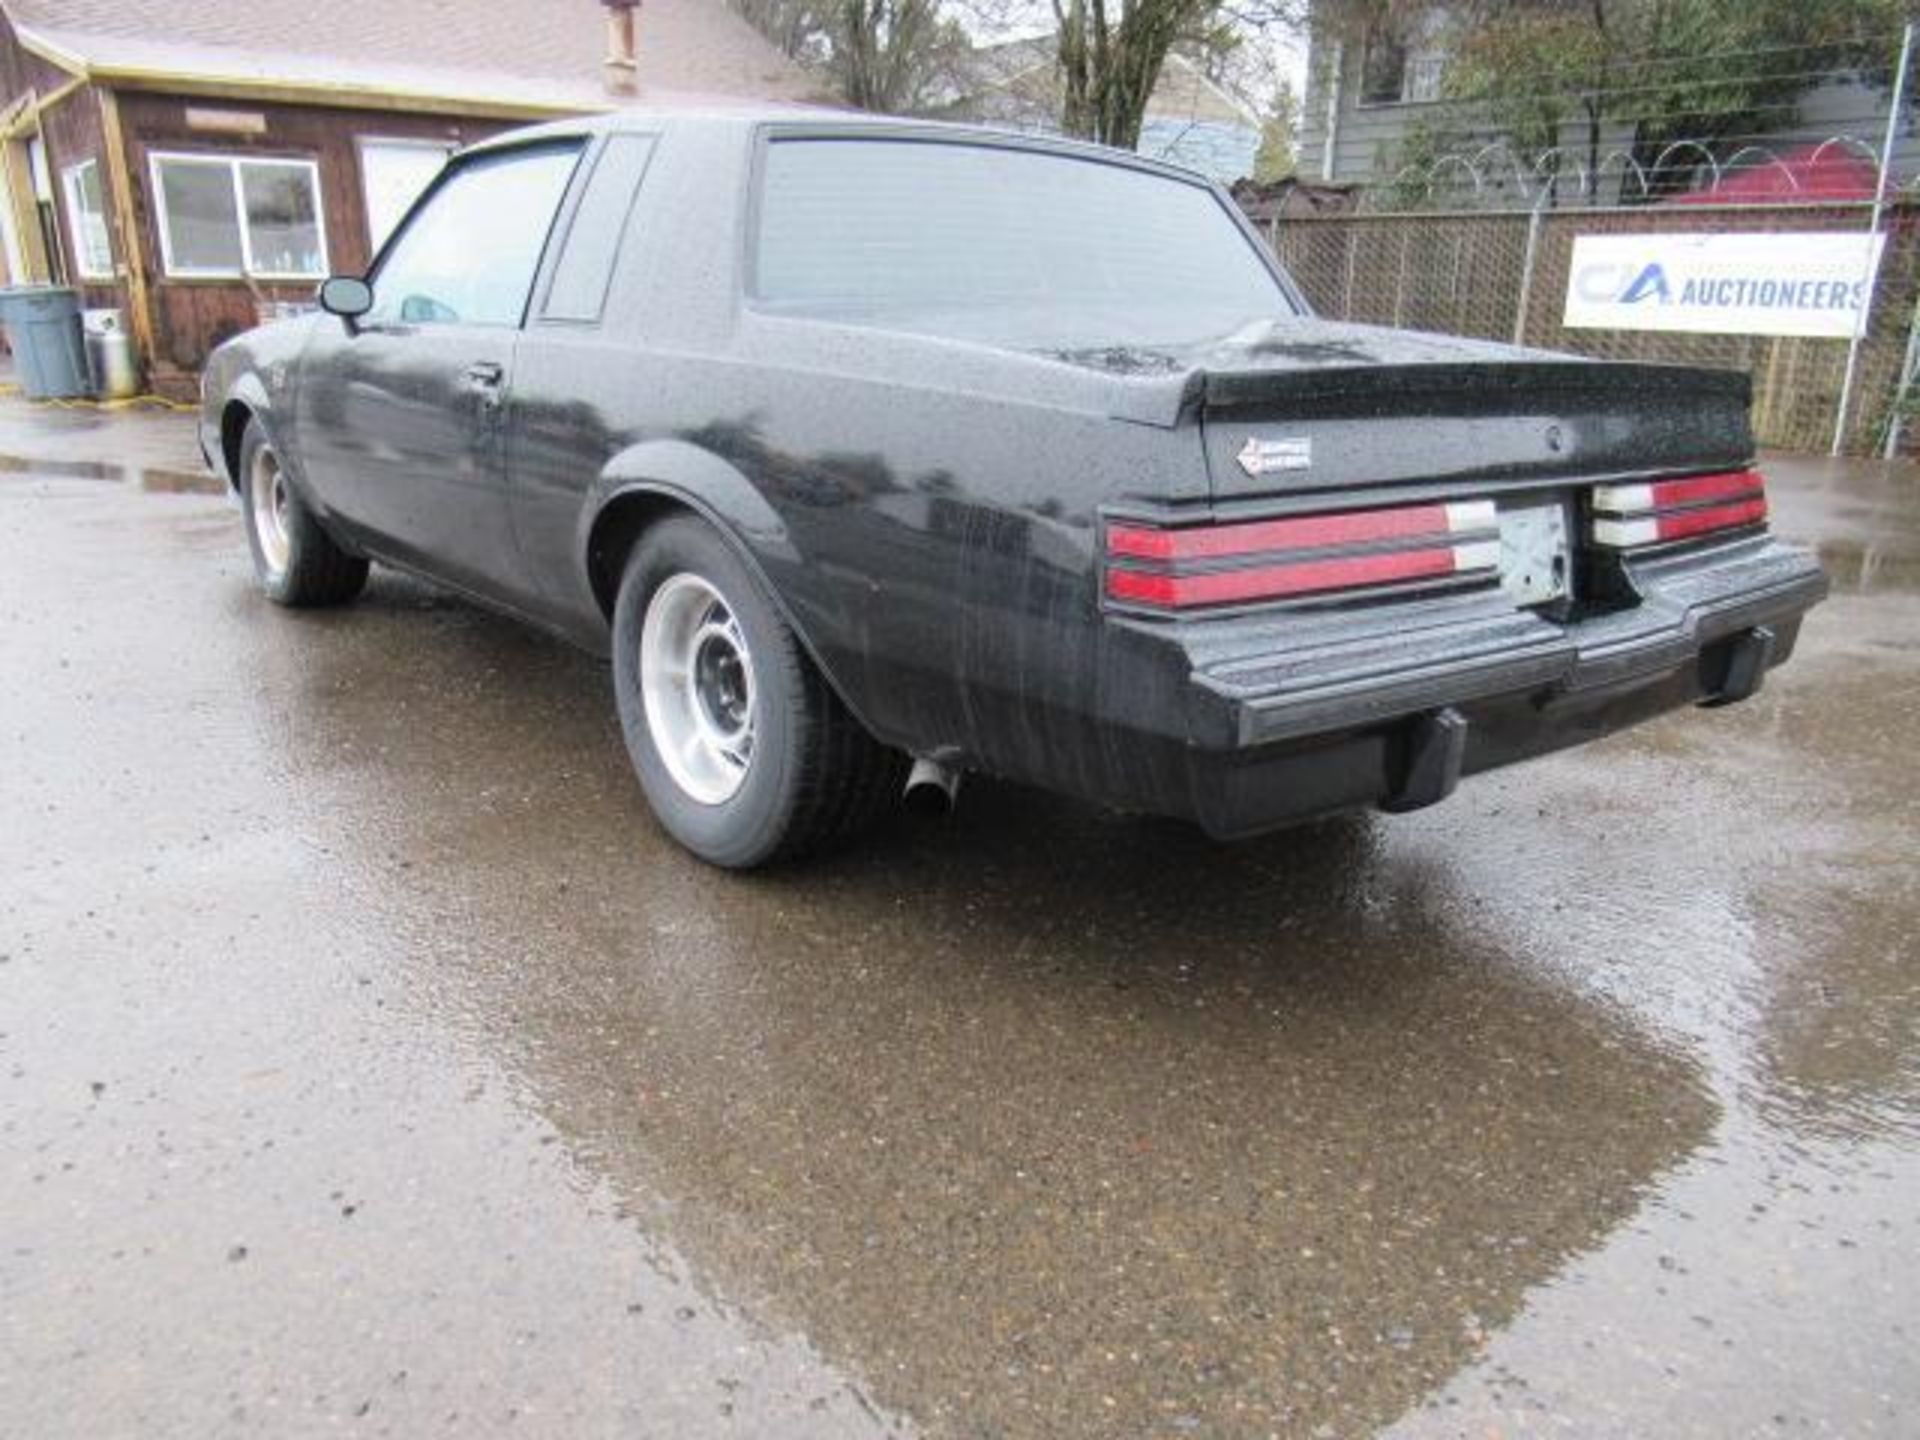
[(1293, 409), (1345, 408)]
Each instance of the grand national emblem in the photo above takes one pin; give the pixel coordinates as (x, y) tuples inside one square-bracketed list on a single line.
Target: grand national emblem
[(1264, 457)]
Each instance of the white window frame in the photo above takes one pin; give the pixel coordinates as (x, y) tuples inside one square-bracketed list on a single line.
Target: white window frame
[(236, 166), (70, 188), (446, 149)]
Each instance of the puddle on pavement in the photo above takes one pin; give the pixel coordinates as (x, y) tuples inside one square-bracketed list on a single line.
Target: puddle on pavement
[(62, 469), (158, 481), (1040, 1120), (1861, 519), (149, 480), (1044, 1120)]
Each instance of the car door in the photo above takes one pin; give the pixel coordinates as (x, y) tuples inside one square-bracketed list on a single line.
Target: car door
[(402, 430), (581, 383)]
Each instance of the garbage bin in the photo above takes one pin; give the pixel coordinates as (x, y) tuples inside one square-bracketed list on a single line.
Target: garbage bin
[(110, 355), (43, 327)]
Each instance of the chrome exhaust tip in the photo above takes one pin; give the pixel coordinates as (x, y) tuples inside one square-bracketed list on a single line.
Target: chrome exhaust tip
[(932, 788)]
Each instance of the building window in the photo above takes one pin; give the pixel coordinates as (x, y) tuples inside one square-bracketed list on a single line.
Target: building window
[(1426, 73), (87, 217), (394, 174), (1383, 69), (1396, 69), (223, 217)]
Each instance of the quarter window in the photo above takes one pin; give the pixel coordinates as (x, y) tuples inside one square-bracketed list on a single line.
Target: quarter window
[(585, 269), (87, 218), (222, 216), (468, 255)]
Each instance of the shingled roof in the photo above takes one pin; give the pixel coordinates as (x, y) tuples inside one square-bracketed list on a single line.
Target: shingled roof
[(526, 54)]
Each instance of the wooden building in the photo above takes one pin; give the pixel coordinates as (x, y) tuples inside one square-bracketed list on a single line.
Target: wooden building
[(201, 165)]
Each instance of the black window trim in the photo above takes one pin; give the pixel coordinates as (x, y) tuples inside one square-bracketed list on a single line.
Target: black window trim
[(562, 237), (579, 144)]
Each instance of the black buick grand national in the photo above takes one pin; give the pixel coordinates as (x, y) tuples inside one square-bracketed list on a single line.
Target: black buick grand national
[(870, 448)]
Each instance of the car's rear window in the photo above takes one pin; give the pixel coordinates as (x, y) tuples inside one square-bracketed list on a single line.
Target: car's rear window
[(1001, 244)]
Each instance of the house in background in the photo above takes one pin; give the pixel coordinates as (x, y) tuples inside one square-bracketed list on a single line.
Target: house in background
[(1372, 87), (1191, 120), (200, 164)]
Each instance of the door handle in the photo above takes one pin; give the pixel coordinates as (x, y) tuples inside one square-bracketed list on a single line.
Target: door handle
[(485, 373)]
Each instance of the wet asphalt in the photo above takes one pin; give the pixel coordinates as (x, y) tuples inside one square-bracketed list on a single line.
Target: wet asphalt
[(370, 1064)]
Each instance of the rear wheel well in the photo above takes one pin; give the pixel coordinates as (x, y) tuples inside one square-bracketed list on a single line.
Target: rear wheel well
[(233, 430), (618, 528), (615, 530)]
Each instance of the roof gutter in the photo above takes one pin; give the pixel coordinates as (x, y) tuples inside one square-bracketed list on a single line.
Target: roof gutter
[(295, 92), (54, 55), (321, 92)]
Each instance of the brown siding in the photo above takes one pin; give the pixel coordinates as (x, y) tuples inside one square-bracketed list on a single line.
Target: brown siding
[(71, 133), (20, 69), (192, 316)]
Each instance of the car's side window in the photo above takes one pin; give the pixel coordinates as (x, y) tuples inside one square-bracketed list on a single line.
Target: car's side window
[(468, 255), (578, 291)]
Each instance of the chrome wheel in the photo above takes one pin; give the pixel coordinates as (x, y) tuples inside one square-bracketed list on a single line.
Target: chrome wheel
[(270, 499), (696, 682)]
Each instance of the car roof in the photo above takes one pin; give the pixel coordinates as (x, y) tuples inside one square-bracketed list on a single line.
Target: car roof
[(749, 115)]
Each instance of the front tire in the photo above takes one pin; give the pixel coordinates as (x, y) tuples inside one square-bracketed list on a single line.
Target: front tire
[(745, 753), (295, 560)]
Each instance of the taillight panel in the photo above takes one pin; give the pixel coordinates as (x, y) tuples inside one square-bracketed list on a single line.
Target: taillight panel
[(1178, 569), (1660, 512)]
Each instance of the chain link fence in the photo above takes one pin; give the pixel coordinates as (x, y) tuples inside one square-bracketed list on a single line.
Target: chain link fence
[(1503, 276)]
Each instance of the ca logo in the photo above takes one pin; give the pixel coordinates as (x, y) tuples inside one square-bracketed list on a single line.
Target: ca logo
[(1651, 281)]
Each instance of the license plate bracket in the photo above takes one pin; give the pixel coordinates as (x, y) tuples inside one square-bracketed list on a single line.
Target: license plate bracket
[(1536, 560)]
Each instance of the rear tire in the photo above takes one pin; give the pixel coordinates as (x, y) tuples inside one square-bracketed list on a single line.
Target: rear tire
[(745, 753), (295, 560)]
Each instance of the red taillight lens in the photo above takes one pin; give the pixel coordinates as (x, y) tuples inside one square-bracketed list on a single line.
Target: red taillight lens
[(1176, 569), (1662, 511)]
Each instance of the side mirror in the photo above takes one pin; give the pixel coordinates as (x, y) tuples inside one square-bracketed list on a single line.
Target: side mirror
[(347, 296)]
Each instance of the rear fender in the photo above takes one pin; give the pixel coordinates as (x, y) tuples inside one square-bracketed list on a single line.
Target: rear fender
[(697, 478), (682, 473)]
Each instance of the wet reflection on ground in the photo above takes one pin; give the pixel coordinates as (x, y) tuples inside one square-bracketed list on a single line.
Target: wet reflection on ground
[(1590, 1095), (1040, 1120)]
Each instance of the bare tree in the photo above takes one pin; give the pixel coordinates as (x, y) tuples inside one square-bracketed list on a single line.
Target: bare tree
[(887, 54), (1111, 54), (1109, 63), (797, 27), (894, 55), (879, 54)]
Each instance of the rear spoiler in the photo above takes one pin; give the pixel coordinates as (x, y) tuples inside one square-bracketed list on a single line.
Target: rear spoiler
[(1510, 382), (1492, 387)]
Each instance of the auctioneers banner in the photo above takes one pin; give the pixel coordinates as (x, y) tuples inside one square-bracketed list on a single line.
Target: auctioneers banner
[(1800, 283)]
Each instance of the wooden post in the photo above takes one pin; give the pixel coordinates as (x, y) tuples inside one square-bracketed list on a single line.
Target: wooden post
[(133, 236), (26, 214)]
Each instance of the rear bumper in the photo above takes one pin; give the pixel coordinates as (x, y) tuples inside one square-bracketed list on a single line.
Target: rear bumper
[(1401, 660), (1389, 705)]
